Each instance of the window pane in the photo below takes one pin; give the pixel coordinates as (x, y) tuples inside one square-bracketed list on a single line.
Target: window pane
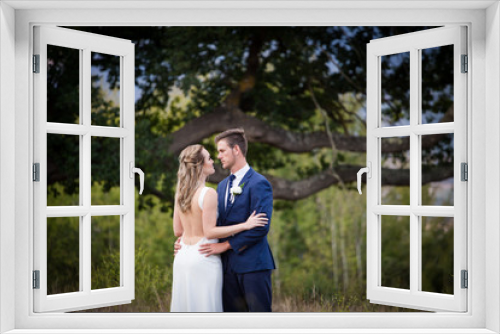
[(396, 251), (437, 169), (395, 99), (105, 171), (437, 254), (63, 85), (105, 89), (437, 84), (63, 255), (395, 175), (63, 170), (105, 252)]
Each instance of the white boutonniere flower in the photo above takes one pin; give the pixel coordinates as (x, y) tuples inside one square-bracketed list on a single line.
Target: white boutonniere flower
[(236, 190)]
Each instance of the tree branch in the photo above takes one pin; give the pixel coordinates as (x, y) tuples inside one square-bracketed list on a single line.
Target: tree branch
[(339, 68), (259, 131), (295, 190)]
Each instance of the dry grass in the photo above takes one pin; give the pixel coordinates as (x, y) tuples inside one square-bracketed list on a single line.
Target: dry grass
[(285, 304), (334, 304)]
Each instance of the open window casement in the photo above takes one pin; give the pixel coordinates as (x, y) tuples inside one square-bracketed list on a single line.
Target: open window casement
[(405, 230), (95, 133)]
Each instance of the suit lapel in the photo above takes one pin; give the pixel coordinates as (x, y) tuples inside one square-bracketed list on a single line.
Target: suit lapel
[(245, 180)]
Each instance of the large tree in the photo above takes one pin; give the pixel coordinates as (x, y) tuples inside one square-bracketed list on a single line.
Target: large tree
[(297, 91)]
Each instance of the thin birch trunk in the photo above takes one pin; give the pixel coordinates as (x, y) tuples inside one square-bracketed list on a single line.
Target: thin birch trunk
[(359, 260), (357, 230), (276, 251), (345, 265), (333, 243)]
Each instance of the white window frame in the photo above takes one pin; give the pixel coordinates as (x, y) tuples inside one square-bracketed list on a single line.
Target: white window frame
[(413, 43), (85, 44), (483, 122)]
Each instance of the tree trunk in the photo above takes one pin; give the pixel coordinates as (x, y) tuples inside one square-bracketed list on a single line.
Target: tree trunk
[(343, 254), (275, 247), (333, 243), (359, 239)]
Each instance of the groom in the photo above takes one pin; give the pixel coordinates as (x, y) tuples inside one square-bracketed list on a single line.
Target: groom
[(246, 257)]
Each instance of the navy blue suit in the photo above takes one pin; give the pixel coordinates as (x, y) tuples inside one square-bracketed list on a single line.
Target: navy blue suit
[(248, 265)]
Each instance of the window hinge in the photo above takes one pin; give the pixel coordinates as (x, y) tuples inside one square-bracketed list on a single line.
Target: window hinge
[(36, 172), (464, 171), (465, 64), (36, 63), (36, 279), (465, 279)]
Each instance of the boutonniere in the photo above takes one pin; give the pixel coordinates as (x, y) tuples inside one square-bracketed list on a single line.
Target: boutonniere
[(236, 190)]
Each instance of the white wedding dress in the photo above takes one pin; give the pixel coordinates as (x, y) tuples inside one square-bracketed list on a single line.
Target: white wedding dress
[(197, 279)]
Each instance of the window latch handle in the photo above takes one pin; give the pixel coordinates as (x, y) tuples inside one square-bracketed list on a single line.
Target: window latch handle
[(368, 171), (141, 175)]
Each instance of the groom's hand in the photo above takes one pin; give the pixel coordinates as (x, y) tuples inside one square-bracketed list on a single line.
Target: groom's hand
[(177, 246), (212, 249)]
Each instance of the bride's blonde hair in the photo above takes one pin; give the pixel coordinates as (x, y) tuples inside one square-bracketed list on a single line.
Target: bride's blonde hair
[(188, 177)]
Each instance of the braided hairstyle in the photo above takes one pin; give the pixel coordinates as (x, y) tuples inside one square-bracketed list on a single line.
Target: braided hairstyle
[(188, 177)]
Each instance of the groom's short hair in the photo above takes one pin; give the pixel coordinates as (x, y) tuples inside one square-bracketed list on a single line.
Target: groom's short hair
[(234, 137)]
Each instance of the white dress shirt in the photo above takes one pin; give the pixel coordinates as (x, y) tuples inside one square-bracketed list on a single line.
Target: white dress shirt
[(239, 176)]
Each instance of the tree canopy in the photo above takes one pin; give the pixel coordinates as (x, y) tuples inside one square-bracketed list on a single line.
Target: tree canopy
[(299, 93)]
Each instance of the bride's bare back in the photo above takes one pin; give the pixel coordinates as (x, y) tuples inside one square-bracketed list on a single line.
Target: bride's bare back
[(192, 221)]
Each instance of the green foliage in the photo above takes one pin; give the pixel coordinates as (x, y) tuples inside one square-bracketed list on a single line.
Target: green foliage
[(105, 251), (63, 264), (320, 235), (395, 251), (437, 255)]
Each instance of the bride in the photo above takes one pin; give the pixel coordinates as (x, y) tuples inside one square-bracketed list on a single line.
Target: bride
[(197, 279)]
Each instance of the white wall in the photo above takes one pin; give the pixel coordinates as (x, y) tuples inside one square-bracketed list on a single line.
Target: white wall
[(485, 106), (492, 150), (7, 164)]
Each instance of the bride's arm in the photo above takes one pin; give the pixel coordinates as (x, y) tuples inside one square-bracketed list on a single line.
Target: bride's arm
[(178, 230), (211, 231)]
